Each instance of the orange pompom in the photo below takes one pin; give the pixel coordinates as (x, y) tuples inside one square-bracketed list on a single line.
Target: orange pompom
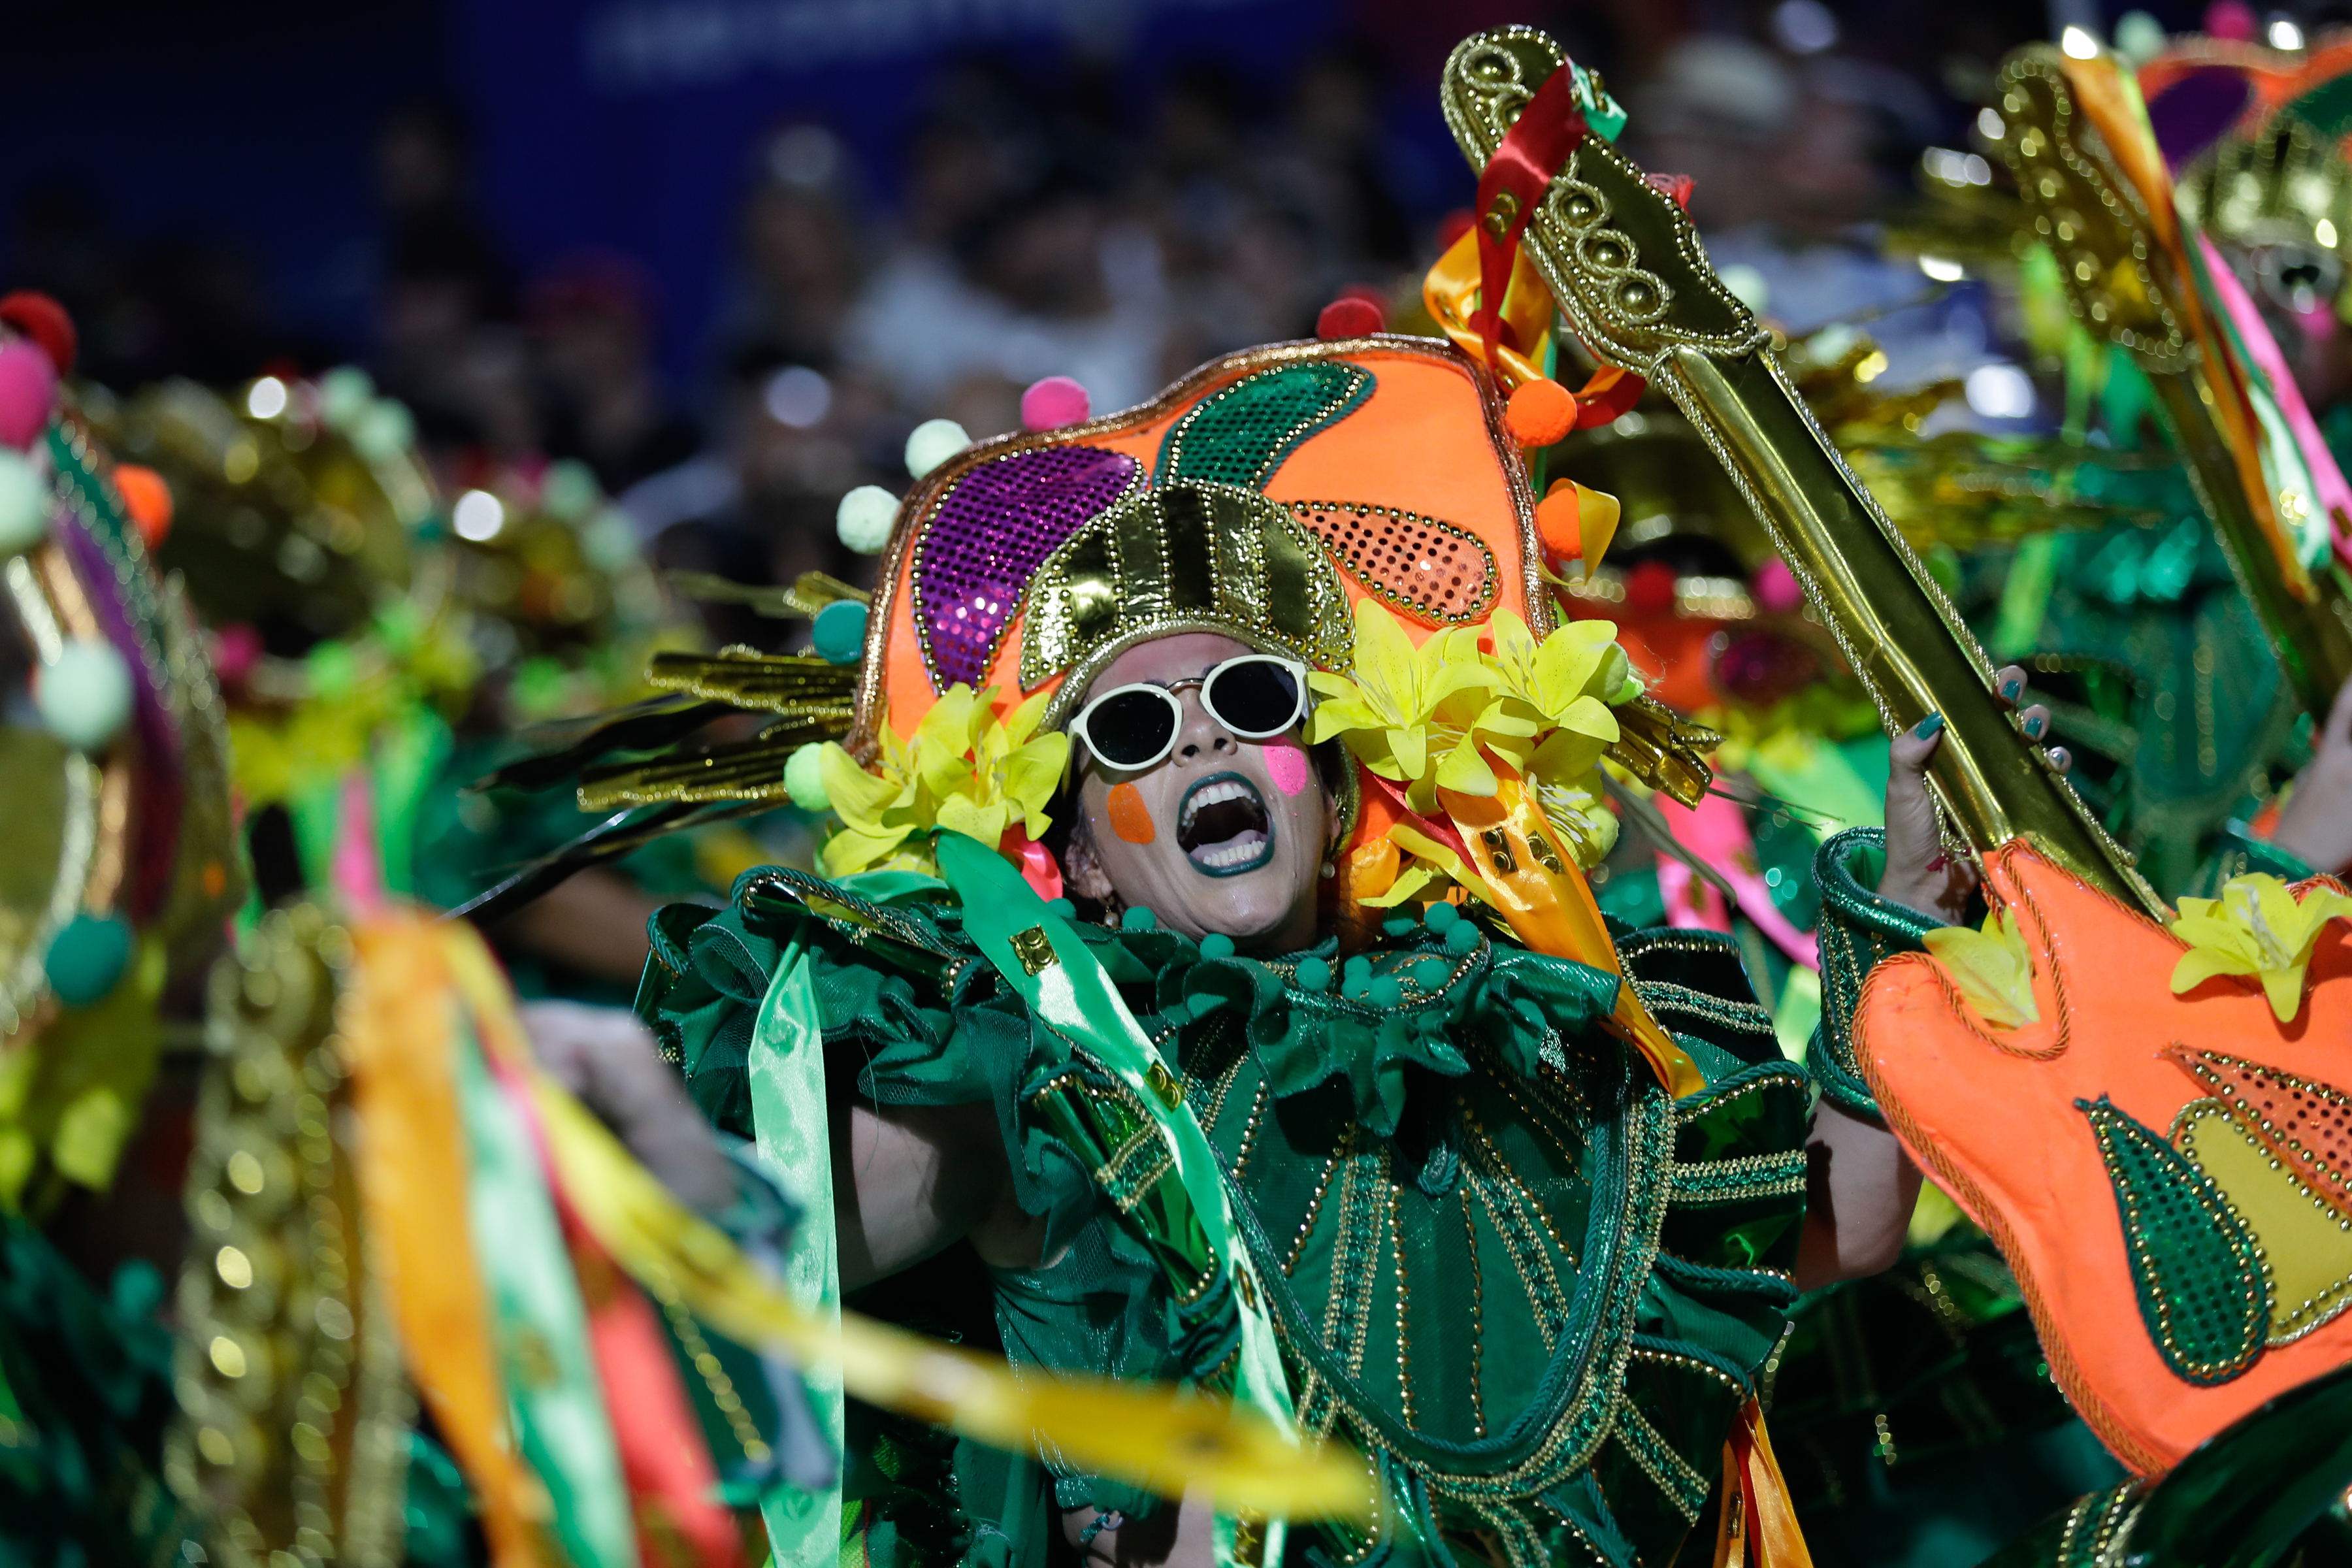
[(1539, 413), (148, 500), (1559, 519)]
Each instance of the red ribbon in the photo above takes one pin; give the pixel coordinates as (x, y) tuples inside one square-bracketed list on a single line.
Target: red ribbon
[(1547, 131)]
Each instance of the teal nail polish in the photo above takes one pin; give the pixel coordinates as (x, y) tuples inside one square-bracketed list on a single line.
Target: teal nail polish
[(2012, 687), (2033, 727), (1928, 726)]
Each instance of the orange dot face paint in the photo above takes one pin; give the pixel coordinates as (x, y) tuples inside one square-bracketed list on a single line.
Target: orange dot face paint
[(1130, 817)]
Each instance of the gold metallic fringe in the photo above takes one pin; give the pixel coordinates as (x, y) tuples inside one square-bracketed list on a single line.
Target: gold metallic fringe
[(810, 592), (798, 685), (1664, 750), (746, 770)]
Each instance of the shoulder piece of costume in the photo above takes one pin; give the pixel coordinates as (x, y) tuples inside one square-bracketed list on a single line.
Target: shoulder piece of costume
[(122, 863)]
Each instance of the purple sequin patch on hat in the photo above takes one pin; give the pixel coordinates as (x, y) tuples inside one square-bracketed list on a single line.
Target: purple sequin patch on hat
[(989, 537)]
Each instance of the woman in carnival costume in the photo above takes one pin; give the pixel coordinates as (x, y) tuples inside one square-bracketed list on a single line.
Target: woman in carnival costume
[(1206, 937)]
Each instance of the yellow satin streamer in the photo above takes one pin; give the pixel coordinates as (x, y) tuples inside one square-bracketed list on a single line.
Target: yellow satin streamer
[(1451, 293), (1159, 1437), (398, 1042), (1536, 883), (1759, 1524)]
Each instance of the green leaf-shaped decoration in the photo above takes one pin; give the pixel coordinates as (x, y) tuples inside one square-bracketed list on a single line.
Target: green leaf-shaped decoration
[(2202, 1291), (1240, 436)]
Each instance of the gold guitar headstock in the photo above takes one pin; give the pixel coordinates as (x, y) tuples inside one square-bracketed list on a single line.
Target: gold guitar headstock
[(2094, 220), (1642, 286)]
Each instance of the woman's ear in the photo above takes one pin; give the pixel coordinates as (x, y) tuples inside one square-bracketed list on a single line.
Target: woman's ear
[(1083, 873)]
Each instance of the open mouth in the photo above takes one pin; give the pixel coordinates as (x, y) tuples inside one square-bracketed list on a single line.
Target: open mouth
[(1224, 828)]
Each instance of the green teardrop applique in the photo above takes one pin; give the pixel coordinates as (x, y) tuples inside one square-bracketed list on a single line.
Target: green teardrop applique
[(2202, 1291), (1241, 435)]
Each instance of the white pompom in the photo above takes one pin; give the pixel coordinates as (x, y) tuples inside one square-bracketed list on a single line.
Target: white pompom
[(865, 519), (933, 442), (383, 430), (345, 393), (24, 504), (804, 779), (84, 694)]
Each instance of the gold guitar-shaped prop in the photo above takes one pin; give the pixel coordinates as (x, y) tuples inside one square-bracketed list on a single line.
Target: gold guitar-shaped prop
[(2101, 199), (1630, 276)]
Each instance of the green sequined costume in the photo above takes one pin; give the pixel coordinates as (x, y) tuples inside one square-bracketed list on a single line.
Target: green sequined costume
[(1503, 1265)]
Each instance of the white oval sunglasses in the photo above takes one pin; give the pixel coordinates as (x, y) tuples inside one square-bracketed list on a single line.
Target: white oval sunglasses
[(1256, 696)]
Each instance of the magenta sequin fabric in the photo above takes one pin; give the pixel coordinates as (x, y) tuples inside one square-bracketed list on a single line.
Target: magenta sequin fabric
[(988, 538)]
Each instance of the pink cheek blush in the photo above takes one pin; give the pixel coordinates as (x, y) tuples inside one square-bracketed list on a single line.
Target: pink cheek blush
[(1288, 765)]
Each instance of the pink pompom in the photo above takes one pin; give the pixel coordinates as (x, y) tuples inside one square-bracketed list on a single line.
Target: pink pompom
[(1053, 402), (2231, 19), (29, 390), (1038, 867), (1349, 316), (1776, 589), (236, 648)]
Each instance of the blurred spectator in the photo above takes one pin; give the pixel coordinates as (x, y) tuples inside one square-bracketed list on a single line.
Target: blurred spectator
[(444, 281), (1013, 268), (593, 319), (801, 251)]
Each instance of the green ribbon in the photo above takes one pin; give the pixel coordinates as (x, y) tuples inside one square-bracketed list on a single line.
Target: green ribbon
[(1066, 989), (541, 1324), (789, 1121)]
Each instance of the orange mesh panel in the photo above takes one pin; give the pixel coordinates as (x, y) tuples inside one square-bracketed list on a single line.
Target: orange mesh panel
[(2305, 1123), (1429, 568)]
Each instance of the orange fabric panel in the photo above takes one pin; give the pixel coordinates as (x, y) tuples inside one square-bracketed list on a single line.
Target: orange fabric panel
[(1990, 1114)]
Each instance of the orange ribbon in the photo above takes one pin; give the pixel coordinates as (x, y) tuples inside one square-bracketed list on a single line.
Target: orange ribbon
[(411, 1174), (673, 1483), (1758, 1523), (1535, 882)]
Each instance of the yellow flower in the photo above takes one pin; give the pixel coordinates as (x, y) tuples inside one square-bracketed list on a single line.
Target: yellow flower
[(1560, 690), (1411, 715), (2255, 929), (1990, 967), (963, 769)]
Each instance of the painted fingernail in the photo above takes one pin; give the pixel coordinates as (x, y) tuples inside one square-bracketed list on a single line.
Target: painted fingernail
[(2033, 727), (2012, 687), (1928, 726)]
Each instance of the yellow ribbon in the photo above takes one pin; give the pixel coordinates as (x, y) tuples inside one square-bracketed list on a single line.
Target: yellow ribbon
[(1451, 293), (1759, 1524)]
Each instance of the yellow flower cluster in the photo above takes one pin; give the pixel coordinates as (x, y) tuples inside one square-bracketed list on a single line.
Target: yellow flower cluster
[(2258, 931), (963, 769), (1439, 715)]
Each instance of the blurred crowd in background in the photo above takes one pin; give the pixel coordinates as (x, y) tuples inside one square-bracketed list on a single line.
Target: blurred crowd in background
[(1043, 216)]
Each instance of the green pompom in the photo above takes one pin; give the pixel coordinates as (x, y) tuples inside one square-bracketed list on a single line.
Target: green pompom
[(804, 779), (88, 957), (1461, 938), (1063, 907), (1385, 992), (840, 631), (1216, 944), (1313, 974), (1138, 918), (1442, 918)]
